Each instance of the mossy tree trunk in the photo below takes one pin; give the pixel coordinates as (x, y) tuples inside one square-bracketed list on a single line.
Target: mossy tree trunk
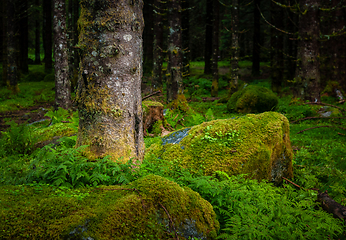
[(307, 76), (256, 39), (47, 35), (235, 44), (215, 58), (276, 39), (109, 84), (175, 79), (12, 65), (62, 80), (158, 44), (208, 46)]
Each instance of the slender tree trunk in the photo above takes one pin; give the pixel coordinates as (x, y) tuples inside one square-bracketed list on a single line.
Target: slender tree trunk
[(185, 24), (109, 87), (47, 34), (148, 37), (307, 73), (2, 16), (62, 81), (12, 66), (4, 43), (37, 34), (175, 80), (276, 40), (215, 59), (235, 44), (23, 35), (75, 34), (256, 40), (208, 37), (290, 64), (158, 45)]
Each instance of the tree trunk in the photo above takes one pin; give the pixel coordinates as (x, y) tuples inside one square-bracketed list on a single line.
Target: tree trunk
[(75, 34), (186, 37), (307, 76), (215, 81), (2, 16), (235, 44), (148, 38), (208, 47), (290, 63), (256, 40), (23, 35), (62, 81), (47, 35), (4, 44), (12, 66), (158, 45), (37, 34), (109, 87), (276, 40), (175, 80)]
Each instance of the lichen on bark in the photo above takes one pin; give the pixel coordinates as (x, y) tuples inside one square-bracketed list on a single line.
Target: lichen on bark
[(109, 92)]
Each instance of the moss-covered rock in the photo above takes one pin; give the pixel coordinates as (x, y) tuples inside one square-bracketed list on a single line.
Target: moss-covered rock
[(257, 145), (136, 211), (252, 99)]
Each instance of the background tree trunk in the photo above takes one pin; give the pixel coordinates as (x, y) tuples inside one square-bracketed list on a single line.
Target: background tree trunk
[(109, 87), (208, 47), (215, 60), (23, 23), (4, 43), (175, 80), (307, 72), (158, 45), (235, 44), (37, 33), (148, 37), (47, 35), (12, 66), (256, 39), (185, 24), (62, 81)]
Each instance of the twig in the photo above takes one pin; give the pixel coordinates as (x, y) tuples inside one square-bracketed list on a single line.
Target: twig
[(307, 118), (152, 94), (321, 127), (170, 219), (293, 183)]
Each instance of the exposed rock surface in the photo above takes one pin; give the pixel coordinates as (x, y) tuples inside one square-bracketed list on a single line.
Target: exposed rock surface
[(149, 208), (257, 145)]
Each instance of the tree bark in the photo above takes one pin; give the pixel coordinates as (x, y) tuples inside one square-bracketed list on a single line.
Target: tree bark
[(4, 44), (175, 80), (12, 66), (208, 47), (307, 78), (158, 45), (23, 36), (62, 81), (2, 16), (148, 37), (235, 44), (256, 39), (276, 40), (47, 35), (109, 87), (185, 24), (215, 60), (37, 33)]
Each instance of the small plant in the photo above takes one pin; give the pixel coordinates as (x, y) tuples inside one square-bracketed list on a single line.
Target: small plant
[(227, 139)]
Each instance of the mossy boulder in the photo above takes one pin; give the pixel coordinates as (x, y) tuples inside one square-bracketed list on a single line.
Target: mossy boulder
[(252, 99), (257, 145), (136, 211)]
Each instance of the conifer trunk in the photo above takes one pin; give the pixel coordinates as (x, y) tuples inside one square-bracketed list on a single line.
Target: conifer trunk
[(215, 59), (158, 45), (62, 81), (37, 34), (208, 46), (47, 34), (256, 39), (235, 44), (109, 84)]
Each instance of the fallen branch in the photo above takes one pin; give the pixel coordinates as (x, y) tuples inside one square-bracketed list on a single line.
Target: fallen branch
[(152, 94), (296, 185), (307, 118), (331, 206), (170, 219), (327, 104), (321, 127)]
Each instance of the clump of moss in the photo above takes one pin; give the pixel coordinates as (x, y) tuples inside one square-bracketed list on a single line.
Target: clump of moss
[(252, 99)]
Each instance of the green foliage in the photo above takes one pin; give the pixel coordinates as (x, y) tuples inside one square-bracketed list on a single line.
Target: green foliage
[(227, 139), (294, 109), (34, 77), (252, 99)]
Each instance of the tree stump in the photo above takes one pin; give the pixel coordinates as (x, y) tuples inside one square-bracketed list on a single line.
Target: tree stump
[(153, 118)]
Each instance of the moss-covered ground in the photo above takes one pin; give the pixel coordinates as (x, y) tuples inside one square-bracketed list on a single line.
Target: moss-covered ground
[(246, 209)]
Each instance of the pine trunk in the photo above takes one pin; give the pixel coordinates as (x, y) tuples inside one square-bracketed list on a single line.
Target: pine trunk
[(47, 35), (215, 56), (23, 36), (175, 80), (62, 81), (307, 77), (208, 47), (235, 44), (158, 45), (256, 40), (109, 87), (148, 37), (37, 34)]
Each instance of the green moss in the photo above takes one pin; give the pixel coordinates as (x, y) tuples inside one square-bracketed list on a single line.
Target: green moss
[(258, 145), (252, 99), (112, 212)]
